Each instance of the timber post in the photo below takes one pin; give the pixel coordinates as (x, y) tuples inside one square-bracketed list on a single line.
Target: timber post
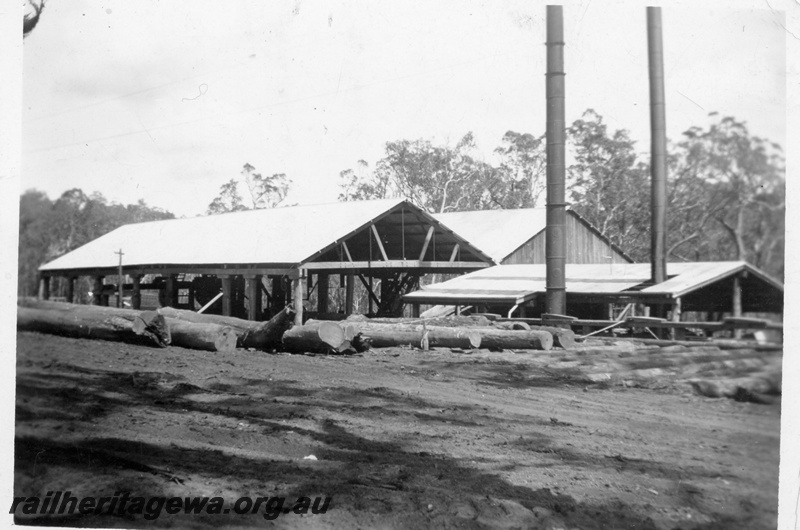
[(171, 291), (44, 287), (297, 293), (677, 333), (227, 294), (71, 289), (350, 288), (415, 310), (278, 295), (136, 295), (253, 297), (322, 292), (736, 302), (97, 291)]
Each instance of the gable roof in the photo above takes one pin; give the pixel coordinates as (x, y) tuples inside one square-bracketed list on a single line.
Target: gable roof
[(500, 232), (283, 236)]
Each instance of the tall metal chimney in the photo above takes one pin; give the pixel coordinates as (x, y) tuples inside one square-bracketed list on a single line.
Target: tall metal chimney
[(555, 232), (658, 148)]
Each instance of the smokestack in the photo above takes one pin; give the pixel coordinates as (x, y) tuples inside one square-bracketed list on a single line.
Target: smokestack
[(555, 232), (658, 148)]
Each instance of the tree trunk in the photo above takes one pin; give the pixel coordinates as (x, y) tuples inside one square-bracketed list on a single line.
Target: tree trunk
[(316, 336), (202, 336), (563, 338), (93, 322), (382, 335), (258, 335), (154, 324), (501, 339), (125, 325), (424, 337)]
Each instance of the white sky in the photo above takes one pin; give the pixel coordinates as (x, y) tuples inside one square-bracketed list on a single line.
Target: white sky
[(166, 100)]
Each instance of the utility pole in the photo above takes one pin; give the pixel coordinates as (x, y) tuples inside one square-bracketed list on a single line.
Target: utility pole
[(119, 282)]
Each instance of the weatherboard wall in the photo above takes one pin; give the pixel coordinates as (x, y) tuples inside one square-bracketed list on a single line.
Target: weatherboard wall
[(584, 245)]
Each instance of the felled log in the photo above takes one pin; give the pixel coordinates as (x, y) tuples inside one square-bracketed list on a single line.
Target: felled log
[(324, 336), (250, 334), (150, 322), (458, 337), (501, 339), (563, 338), (125, 325), (202, 336), (723, 344), (448, 321), (316, 336), (424, 337), (93, 322)]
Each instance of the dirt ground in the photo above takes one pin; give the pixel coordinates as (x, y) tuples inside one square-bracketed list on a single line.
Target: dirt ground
[(402, 439)]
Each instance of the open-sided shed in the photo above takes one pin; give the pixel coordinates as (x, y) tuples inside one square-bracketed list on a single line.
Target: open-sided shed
[(517, 236), (234, 253), (726, 286)]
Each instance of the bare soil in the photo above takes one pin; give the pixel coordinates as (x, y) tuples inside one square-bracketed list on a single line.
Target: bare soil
[(402, 439)]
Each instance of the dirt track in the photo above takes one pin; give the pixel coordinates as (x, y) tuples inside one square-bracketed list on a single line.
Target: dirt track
[(403, 439)]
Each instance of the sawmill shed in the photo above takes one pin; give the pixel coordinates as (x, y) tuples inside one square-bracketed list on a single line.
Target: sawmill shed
[(733, 287), (517, 236), (251, 264)]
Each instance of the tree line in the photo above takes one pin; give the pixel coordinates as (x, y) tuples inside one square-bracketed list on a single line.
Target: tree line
[(49, 229), (726, 187)]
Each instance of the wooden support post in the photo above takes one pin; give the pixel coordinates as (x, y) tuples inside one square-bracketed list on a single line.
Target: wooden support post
[(677, 333), (44, 287), (278, 295), (380, 243), (348, 298), (428, 237), (370, 298), (458, 310), (297, 291), (71, 289), (415, 310), (737, 297), (171, 291), (97, 291), (322, 292), (254, 297), (136, 296), (227, 294), (737, 304)]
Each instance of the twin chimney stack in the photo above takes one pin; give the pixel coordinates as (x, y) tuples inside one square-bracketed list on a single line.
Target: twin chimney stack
[(555, 234)]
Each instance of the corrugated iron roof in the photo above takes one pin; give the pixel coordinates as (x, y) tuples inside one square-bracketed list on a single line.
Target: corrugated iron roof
[(496, 232), (690, 276), (519, 283), (288, 235)]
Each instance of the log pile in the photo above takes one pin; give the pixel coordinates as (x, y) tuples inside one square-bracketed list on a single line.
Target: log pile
[(160, 328), (88, 322), (358, 333), (249, 334)]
